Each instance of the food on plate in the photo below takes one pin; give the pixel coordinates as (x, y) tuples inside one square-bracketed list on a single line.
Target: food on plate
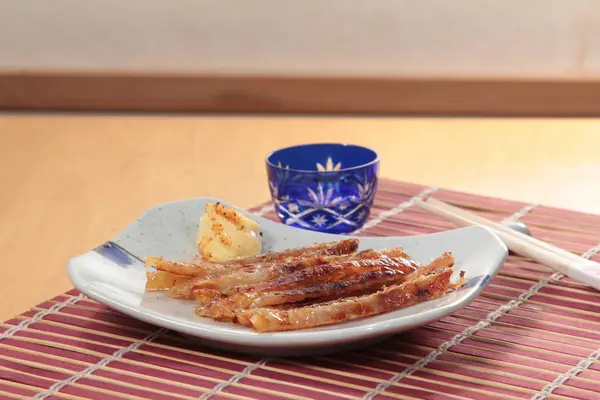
[(306, 287), (225, 234), (334, 270), (210, 269), (420, 288), (245, 277), (162, 280), (228, 283), (362, 277), (203, 268)]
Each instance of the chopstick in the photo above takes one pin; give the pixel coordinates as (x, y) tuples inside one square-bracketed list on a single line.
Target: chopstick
[(556, 258), (499, 227)]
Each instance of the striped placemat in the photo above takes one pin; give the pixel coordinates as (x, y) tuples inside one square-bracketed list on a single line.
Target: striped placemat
[(531, 334)]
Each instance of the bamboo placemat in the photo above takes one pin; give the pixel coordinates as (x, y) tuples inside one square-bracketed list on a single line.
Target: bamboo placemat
[(531, 334)]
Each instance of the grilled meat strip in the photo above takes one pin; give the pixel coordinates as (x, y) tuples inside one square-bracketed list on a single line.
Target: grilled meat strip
[(381, 272), (211, 269), (333, 272), (245, 276), (423, 287), (162, 280), (248, 275)]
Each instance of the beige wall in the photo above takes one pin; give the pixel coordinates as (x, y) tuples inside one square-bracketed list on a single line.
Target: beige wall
[(407, 37)]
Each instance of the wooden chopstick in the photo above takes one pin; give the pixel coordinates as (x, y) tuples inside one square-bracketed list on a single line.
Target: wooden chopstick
[(558, 259), (497, 226)]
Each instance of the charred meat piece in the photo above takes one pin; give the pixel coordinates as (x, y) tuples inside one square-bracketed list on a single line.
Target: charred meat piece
[(345, 246), (423, 287), (211, 269), (249, 275), (245, 276), (374, 278), (370, 280), (333, 272)]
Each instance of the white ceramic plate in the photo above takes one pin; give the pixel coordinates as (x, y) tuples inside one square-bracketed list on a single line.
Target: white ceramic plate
[(113, 274)]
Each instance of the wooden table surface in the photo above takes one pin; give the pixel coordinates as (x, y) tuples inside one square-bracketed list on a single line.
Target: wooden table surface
[(71, 182)]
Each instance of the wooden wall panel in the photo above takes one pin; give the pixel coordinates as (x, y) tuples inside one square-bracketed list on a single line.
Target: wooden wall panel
[(263, 94)]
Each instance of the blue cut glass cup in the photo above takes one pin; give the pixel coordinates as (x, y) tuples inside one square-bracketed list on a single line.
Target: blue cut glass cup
[(324, 187)]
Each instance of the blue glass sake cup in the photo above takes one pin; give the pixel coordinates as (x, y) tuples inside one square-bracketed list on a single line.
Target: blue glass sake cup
[(326, 187)]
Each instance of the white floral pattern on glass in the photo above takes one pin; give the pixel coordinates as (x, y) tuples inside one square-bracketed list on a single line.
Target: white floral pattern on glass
[(293, 207), (274, 190), (329, 166), (321, 199), (362, 214), (319, 220), (283, 172), (366, 191), (279, 200)]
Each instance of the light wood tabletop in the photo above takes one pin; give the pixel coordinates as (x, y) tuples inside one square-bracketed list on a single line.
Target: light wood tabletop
[(71, 182)]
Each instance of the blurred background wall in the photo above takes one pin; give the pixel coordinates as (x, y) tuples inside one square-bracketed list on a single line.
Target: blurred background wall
[(430, 37), (553, 40)]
